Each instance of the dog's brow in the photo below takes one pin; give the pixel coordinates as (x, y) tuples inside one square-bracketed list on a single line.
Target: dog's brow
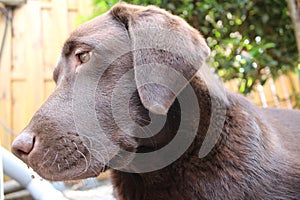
[(56, 70), (55, 74), (69, 47)]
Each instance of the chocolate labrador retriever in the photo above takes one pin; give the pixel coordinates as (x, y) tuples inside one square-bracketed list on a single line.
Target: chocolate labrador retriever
[(135, 95)]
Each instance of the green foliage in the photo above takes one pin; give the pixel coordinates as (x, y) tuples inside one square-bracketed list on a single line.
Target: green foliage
[(250, 40)]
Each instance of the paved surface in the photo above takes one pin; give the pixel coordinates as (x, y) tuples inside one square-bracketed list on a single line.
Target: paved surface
[(89, 189), (101, 192)]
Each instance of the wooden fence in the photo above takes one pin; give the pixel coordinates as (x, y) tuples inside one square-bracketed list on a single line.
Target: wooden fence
[(32, 46), (31, 49), (281, 93)]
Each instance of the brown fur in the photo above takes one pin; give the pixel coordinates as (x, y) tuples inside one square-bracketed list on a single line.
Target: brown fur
[(256, 156)]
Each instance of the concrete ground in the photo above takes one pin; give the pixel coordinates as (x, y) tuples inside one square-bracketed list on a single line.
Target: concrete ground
[(89, 189), (102, 192)]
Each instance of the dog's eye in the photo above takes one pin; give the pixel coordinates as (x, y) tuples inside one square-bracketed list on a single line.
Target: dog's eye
[(83, 57)]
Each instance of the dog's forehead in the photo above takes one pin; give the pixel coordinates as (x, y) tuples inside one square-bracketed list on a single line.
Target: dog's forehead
[(101, 22), (96, 29)]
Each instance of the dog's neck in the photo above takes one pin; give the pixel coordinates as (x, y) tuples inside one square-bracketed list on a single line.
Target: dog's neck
[(243, 156)]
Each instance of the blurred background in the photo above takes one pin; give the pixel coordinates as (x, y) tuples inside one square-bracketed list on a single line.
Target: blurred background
[(253, 42)]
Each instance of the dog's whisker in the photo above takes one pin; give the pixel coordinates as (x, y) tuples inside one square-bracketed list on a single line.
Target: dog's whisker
[(94, 171), (67, 163), (118, 155), (74, 157), (75, 145), (86, 161), (143, 119), (87, 148), (56, 156), (103, 162), (88, 140), (42, 165), (99, 155), (103, 169), (46, 153), (103, 154)]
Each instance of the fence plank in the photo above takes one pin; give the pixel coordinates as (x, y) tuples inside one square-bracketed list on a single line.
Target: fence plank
[(33, 56), (5, 87), (51, 42), (20, 115)]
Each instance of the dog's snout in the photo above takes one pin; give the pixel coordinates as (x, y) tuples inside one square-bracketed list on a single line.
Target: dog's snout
[(23, 144)]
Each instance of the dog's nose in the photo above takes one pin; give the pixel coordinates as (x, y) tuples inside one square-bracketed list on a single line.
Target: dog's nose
[(23, 144)]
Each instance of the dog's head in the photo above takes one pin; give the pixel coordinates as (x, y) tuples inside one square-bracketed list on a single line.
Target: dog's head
[(114, 73)]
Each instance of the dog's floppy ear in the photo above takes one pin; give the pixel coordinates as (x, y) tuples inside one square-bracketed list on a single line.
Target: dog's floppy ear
[(167, 53)]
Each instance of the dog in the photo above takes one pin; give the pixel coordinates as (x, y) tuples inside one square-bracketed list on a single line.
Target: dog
[(134, 94)]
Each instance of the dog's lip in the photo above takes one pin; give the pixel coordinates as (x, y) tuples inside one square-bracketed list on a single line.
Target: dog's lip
[(92, 170), (63, 175), (68, 175)]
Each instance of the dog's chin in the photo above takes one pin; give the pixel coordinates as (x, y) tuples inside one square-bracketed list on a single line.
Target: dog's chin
[(69, 175)]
